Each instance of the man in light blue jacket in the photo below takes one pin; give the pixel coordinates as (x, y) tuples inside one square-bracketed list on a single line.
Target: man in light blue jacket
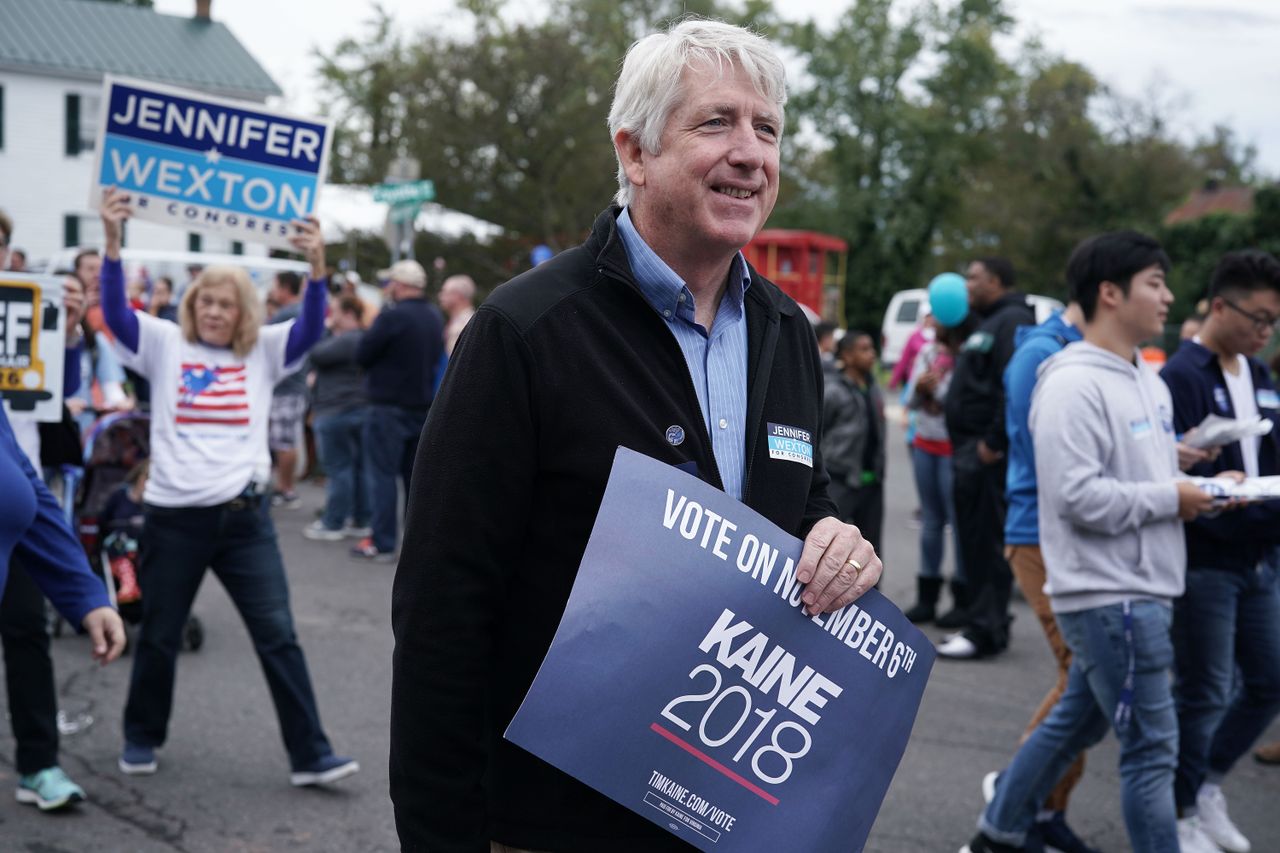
[(1110, 509)]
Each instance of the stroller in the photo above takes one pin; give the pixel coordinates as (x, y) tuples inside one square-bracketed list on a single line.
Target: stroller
[(114, 446)]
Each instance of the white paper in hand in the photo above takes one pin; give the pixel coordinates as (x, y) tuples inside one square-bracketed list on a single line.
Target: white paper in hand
[(1215, 431)]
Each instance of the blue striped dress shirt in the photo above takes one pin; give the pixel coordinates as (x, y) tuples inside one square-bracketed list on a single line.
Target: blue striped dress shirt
[(717, 361)]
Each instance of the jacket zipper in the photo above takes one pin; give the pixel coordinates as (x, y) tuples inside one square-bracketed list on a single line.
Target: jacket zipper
[(688, 380)]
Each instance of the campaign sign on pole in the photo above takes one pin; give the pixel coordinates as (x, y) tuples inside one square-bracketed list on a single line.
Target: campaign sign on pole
[(195, 161), (686, 682), (32, 345)]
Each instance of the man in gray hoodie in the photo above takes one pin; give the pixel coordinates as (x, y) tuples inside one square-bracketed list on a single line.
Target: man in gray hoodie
[(1111, 510)]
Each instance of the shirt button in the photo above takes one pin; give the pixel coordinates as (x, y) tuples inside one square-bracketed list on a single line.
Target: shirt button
[(724, 424), (666, 313), (680, 298)]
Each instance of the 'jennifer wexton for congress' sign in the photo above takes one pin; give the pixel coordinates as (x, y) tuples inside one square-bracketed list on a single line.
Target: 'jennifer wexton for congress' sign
[(195, 161)]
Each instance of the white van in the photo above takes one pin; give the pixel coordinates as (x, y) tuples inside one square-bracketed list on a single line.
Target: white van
[(908, 307)]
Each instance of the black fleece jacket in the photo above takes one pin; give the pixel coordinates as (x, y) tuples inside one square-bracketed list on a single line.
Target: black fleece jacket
[(557, 369), (975, 399)]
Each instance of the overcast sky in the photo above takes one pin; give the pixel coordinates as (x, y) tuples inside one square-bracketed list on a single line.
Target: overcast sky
[(1218, 54)]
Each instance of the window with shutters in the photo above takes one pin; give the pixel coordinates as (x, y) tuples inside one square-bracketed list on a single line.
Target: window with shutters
[(81, 122)]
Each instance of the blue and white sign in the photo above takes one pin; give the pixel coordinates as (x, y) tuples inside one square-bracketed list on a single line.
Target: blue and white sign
[(686, 683), (198, 162)]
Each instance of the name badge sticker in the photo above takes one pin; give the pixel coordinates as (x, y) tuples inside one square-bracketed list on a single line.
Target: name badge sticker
[(1220, 397), (1268, 399), (1140, 428), (791, 444)]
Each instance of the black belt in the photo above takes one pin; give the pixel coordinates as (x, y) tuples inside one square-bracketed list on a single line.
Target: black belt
[(248, 499)]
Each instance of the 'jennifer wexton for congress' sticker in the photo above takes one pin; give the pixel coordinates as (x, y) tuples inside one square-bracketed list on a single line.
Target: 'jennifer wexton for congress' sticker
[(790, 443)]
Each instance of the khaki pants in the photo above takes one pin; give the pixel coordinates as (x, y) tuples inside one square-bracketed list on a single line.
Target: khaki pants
[(1028, 569)]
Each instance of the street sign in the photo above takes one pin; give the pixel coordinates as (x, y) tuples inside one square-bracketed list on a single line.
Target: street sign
[(414, 192)]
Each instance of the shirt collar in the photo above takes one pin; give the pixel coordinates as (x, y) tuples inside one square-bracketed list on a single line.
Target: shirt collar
[(661, 287)]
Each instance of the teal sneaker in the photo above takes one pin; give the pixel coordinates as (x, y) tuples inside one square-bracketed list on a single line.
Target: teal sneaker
[(49, 789)]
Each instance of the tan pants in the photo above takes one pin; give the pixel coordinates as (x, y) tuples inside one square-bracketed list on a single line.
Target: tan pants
[(1028, 568)]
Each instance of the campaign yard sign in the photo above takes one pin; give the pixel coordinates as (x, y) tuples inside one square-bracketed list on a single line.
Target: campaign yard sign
[(686, 682), (32, 345), (195, 161)]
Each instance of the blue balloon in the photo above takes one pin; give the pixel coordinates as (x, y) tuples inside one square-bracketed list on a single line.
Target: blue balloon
[(540, 253), (949, 299)]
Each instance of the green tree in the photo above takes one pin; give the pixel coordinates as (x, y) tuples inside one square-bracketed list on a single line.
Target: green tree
[(365, 82), (894, 142)]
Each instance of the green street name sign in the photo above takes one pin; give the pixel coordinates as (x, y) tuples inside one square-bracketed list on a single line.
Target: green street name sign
[(412, 192)]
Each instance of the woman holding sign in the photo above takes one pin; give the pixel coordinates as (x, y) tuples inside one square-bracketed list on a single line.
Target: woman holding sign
[(206, 502)]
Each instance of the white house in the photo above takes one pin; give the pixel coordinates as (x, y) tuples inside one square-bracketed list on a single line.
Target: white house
[(53, 55)]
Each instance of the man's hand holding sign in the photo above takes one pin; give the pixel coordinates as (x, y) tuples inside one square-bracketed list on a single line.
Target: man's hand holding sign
[(837, 566)]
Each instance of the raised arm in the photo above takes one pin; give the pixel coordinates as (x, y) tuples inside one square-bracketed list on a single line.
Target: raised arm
[(309, 327), (115, 304)]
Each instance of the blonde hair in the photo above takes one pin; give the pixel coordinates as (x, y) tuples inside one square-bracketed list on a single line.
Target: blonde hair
[(245, 336)]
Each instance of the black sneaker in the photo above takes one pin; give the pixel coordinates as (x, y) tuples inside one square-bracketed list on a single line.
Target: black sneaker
[(981, 844), (1058, 836)]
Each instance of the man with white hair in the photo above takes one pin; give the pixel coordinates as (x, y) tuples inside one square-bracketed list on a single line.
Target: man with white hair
[(457, 301), (656, 335), (399, 354)]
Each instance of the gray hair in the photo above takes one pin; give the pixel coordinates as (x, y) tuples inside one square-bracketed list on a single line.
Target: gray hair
[(650, 87)]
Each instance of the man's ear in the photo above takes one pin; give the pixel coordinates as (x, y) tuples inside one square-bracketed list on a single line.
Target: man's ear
[(1110, 294), (631, 154)]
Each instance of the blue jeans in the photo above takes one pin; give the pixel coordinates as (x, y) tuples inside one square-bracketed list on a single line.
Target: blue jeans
[(240, 547), (390, 438), (1224, 620), (937, 510), (1148, 742), (338, 443)]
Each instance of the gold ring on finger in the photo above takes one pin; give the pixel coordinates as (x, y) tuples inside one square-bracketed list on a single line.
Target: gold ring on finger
[(857, 567)]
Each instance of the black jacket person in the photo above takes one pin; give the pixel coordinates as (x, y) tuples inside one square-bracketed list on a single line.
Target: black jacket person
[(556, 370), (975, 422)]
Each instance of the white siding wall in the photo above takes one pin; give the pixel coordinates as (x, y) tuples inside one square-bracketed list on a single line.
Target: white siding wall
[(40, 184)]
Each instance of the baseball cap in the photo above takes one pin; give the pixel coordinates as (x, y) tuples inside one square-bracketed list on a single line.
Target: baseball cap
[(405, 272)]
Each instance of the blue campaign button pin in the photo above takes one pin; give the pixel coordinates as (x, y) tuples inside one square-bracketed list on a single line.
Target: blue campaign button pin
[(675, 435)]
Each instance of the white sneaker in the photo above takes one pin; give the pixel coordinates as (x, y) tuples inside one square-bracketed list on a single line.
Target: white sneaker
[(1215, 822), (317, 530), (958, 647), (1191, 837), (989, 786), (350, 531)]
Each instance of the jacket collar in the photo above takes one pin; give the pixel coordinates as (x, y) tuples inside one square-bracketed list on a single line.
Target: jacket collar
[(1199, 354), (1013, 297), (604, 243)]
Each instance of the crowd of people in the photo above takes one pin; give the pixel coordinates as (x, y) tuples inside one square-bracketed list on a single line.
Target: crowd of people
[(1054, 453), (1071, 466), (225, 391)]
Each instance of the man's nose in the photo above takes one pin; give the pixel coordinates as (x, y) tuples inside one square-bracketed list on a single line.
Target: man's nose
[(748, 150)]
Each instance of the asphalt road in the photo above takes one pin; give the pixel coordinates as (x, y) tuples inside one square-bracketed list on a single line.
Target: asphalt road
[(223, 780)]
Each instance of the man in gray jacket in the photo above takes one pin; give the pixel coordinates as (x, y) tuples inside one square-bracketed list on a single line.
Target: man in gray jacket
[(1111, 504), (853, 436)]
